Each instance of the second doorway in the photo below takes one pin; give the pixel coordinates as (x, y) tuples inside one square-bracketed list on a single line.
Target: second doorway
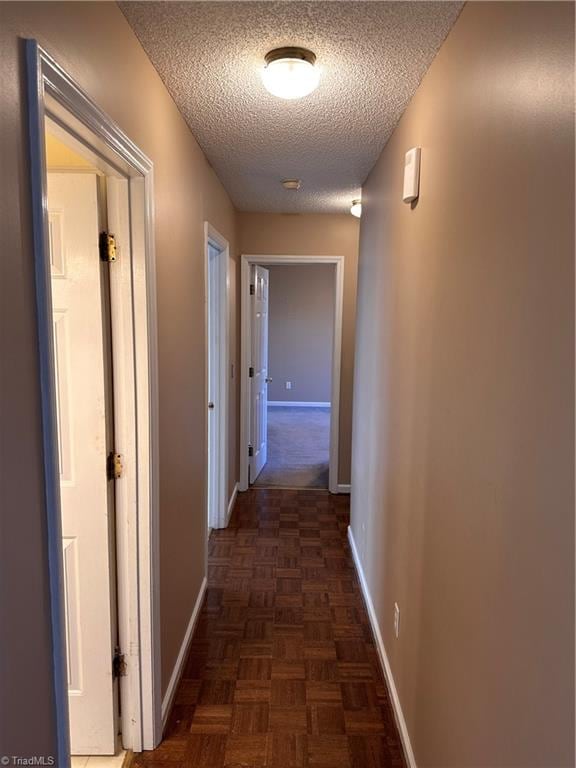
[(291, 342)]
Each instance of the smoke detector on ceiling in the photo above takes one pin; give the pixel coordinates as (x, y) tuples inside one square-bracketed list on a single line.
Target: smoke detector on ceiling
[(291, 183)]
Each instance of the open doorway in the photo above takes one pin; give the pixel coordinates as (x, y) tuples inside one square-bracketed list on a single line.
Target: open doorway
[(291, 341), (299, 382), (91, 196)]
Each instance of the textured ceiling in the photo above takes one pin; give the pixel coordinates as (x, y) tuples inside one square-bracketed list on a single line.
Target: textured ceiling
[(372, 56)]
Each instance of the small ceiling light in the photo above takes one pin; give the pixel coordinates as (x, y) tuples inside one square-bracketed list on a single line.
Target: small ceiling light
[(291, 183), (290, 73), (356, 209)]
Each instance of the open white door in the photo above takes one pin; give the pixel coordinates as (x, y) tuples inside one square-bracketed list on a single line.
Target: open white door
[(259, 370), (87, 497), (214, 405)]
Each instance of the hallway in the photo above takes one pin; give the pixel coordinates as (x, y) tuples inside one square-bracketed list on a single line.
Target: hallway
[(282, 670), (358, 219)]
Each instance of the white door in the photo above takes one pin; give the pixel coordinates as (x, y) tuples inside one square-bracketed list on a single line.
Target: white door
[(86, 494), (214, 405), (259, 379)]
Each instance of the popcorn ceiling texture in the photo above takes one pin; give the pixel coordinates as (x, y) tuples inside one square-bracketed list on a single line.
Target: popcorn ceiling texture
[(372, 56)]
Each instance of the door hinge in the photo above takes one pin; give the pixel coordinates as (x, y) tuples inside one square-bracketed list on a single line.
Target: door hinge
[(114, 466), (107, 245), (118, 664), (252, 289), (250, 451), (251, 372)]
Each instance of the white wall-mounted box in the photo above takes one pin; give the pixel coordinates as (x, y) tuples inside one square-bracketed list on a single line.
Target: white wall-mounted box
[(411, 175)]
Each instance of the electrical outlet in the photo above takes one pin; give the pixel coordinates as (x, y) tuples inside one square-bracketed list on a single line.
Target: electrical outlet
[(396, 620), (288, 385)]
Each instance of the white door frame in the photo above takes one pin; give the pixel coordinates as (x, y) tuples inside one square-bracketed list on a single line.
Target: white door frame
[(218, 518), (53, 94), (246, 262)]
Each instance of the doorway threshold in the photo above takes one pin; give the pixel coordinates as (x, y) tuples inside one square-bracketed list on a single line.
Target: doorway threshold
[(121, 760)]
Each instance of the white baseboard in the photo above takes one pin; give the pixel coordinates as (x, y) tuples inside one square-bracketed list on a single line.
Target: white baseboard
[(400, 721), (343, 487), (231, 503), (297, 404), (179, 666)]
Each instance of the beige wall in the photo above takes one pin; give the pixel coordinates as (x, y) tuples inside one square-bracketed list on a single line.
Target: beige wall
[(315, 235), (60, 156), (97, 47), (462, 481), (301, 332)]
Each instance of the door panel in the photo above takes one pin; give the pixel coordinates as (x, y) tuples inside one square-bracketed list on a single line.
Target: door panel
[(86, 498), (259, 383), (214, 412)]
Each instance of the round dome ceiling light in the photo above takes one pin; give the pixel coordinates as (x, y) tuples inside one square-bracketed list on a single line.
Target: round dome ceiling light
[(290, 73), (356, 209)]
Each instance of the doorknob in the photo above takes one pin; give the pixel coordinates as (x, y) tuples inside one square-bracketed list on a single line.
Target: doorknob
[(211, 406), (268, 381)]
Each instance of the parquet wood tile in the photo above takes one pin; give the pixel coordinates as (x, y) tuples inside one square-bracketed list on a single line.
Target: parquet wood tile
[(205, 751), (252, 691), (247, 751), (288, 670), (248, 719), (292, 719), (287, 750), (255, 668), (282, 670), (211, 718)]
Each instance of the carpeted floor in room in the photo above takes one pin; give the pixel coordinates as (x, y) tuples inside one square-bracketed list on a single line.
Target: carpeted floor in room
[(298, 448)]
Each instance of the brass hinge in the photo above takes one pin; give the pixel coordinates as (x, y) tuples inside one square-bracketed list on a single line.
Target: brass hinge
[(114, 466), (107, 245), (118, 664), (250, 451), (252, 289), (251, 372)]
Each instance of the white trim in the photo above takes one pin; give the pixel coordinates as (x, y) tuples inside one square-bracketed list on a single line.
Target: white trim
[(217, 518), (344, 488), (247, 260), (231, 503), (296, 404), (52, 93), (75, 170), (182, 654), (400, 721)]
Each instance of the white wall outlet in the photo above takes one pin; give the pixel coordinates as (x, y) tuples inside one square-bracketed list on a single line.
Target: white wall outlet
[(396, 620), (288, 385)]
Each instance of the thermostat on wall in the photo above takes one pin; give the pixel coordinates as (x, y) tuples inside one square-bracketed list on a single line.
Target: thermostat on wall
[(411, 175)]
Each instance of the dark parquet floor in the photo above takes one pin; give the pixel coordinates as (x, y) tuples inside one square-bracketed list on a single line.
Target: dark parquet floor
[(282, 669)]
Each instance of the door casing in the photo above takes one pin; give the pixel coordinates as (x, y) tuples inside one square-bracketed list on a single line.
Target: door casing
[(247, 260), (53, 94)]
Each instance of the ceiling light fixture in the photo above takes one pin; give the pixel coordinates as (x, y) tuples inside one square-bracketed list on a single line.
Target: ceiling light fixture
[(356, 209), (291, 183), (290, 73)]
